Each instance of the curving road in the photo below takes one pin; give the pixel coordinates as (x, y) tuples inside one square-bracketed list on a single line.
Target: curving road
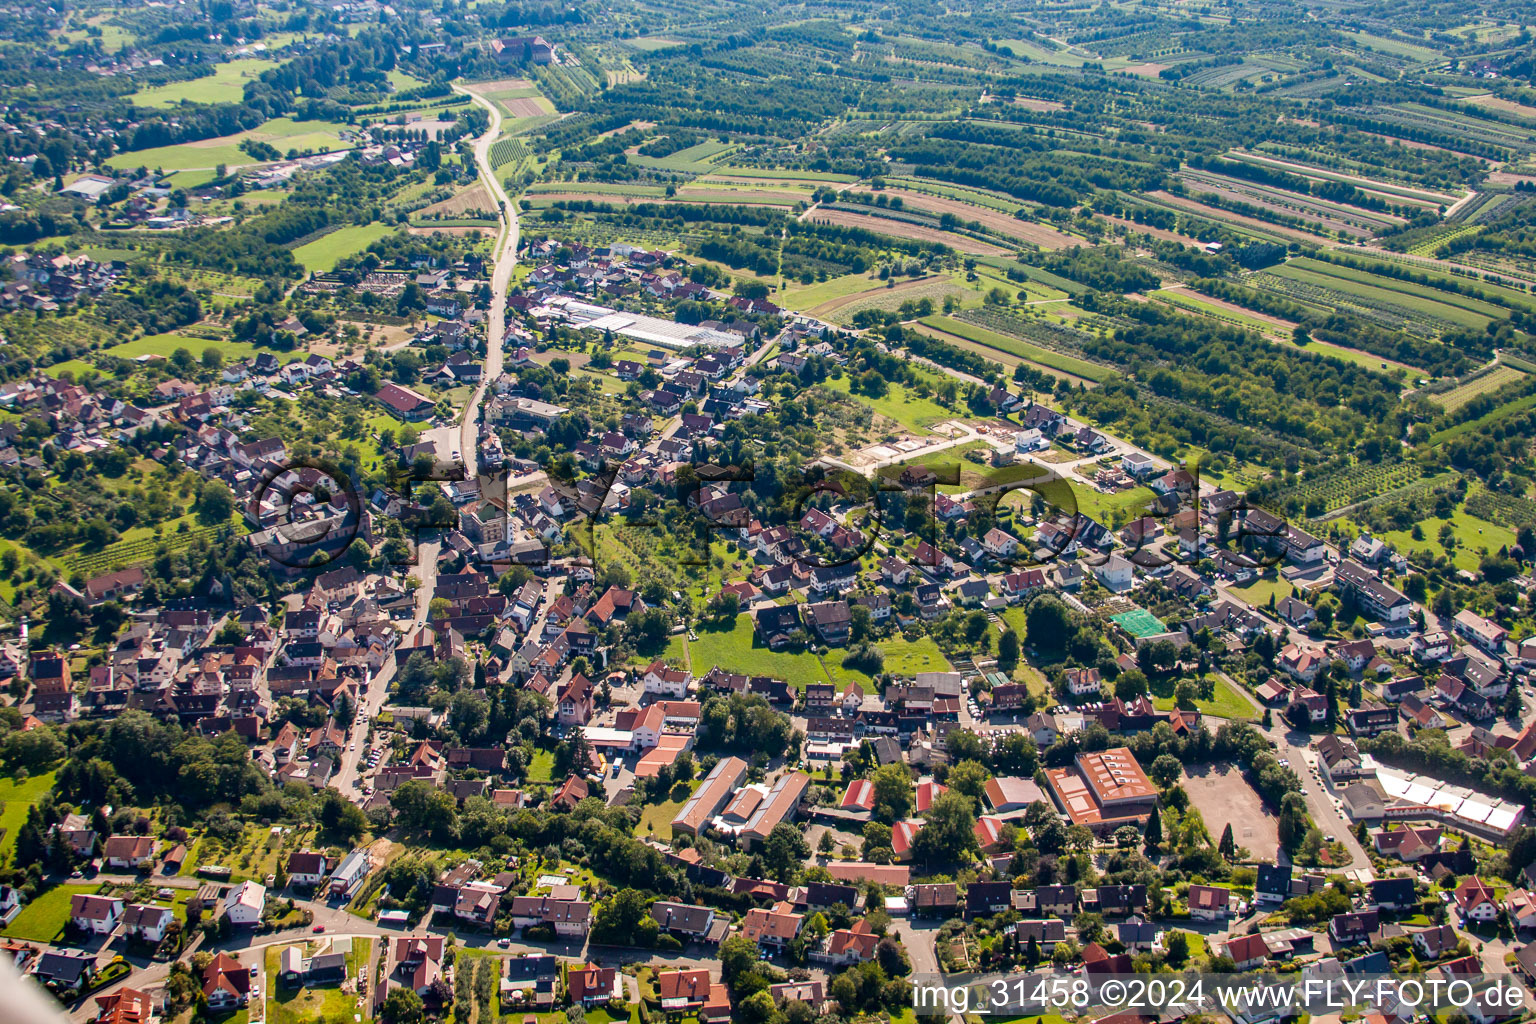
[(448, 439)]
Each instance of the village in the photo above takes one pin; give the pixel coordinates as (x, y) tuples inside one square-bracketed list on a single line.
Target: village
[(811, 835)]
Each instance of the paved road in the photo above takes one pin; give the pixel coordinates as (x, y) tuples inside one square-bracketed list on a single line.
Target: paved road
[(1293, 746), (501, 277)]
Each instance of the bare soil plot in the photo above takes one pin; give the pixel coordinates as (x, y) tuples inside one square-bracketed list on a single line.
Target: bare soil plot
[(788, 178), (1411, 144), (1030, 103), (993, 220), (638, 125), (1147, 70), (472, 200), (503, 85), (901, 229), (1223, 797), (525, 106), (1510, 178)]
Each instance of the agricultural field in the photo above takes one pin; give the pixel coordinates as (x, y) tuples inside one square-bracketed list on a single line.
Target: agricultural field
[(471, 203), (283, 133), (1460, 395), (993, 221), (1045, 53), (1073, 368), (322, 255), (1290, 208), (1426, 198), (697, 159), (1327, 284), (935, 288), (903, 229), (225, 85), (1326, 494)]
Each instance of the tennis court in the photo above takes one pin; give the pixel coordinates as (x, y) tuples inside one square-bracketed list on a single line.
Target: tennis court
[(1139, 622)]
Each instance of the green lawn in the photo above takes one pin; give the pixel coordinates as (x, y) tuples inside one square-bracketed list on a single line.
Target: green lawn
[(1471, 534), (225, 85), (326, 1004), (284, 133), (902, 658), (737, 650), (1112, 510), (15, 799), (1261, 590), (322, 255), (656, 819), (1228, 703), (255, 856), (165, 344), (542, 767), (899, 404), (43, 919)]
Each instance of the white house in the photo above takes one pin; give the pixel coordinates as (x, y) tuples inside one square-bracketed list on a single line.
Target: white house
[(306, 868), (664, 681), (1138, 465), (10, 903), (98, 915), (1115, 572), (244, 904), (350, 872), (147, 922), (1031, 440), (1000, 543), (1521, 905)]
